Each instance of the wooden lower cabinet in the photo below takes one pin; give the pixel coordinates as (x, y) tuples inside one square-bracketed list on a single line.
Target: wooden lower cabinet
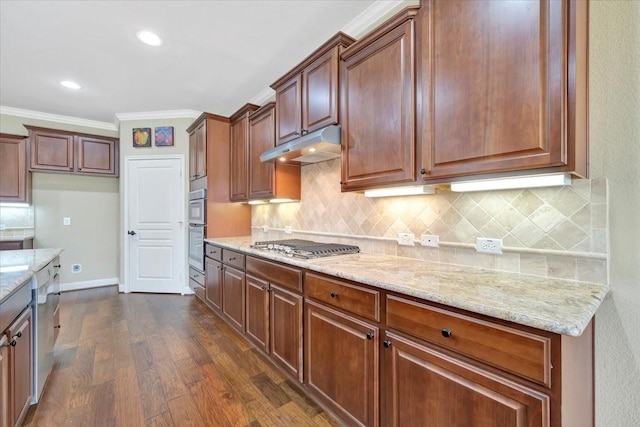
[(4, 381), (257, 312), (423, 386), (285, 324), (20, 367), (213, 283), (233, 297), (341, 363)]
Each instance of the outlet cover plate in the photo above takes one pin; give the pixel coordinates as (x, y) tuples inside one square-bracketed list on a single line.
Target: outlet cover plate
[(406, 239), (287, 229), (489, 246), (431, 240)]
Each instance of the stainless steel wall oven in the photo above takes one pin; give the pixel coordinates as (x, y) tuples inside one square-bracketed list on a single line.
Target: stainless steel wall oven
[(197, 228)]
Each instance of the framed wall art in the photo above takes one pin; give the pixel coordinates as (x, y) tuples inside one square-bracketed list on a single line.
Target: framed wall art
[(141, 137), (164, 136)]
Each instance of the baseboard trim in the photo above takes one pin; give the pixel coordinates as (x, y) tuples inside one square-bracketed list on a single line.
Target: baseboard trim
[(88, 284)]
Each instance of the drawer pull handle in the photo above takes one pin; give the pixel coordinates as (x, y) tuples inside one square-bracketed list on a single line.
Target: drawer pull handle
[(13, 343), (18, 335), (57, 293), (446, 333), (370, 336), (334, 294), (387, 343), (56, 327), (232, 258), (56, 266)]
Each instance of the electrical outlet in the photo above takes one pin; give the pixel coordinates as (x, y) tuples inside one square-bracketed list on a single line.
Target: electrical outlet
[(66, 220), (287, 229), (489, 246), (265, 228), (429, 240), (406, 239), (76, 268)]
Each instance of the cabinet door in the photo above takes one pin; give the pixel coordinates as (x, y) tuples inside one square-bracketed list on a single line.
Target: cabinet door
[(239, 166), (425, 387), (50, 151), (201, 150), (377, 111), (341, 363), (5, 396), (233, 294), (193, 156), (213, 283), (97, 156), (257, 311), (262, 137), (20, 362), (320, 93), (288, 109), (493, 90), (286, 330), (14, 182)]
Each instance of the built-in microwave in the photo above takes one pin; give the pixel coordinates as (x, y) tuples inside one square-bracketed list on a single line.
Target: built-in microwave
[(198, 207)]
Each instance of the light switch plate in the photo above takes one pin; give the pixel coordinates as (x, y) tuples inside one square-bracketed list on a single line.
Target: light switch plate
[(66, 220)]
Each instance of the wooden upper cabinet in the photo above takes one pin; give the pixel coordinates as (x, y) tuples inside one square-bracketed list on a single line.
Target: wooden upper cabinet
[(505, 90), (15, 181), (51, 150), (377, 106), (307, 96), (198, 148), (239, 154), (97, 155), (268, 180)]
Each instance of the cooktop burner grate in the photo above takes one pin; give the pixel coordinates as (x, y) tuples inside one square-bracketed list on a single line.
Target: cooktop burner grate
[(306, 249)]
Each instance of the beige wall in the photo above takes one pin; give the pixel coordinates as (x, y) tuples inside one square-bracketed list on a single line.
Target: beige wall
[(93, 205), (614, 97), (180, 147)]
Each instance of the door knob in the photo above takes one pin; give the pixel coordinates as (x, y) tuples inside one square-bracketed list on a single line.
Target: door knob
[(131, 233)]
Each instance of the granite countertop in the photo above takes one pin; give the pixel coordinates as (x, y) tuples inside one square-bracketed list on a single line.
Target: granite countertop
[(555, 305), (18, 266)]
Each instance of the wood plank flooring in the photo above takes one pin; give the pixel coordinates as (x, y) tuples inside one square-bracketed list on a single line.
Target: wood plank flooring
[(161, 360)]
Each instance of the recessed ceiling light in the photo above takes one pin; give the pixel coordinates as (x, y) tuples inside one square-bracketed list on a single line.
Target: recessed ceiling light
[(147, 37), (70, 85)]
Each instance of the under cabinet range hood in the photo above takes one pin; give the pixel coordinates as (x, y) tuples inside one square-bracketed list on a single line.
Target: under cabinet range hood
[(317, 146)]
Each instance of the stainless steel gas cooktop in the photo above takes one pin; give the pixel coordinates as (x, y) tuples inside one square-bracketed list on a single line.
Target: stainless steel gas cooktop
[(305, 249)]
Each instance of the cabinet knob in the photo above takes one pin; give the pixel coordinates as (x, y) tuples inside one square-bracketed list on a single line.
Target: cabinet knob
[(334, 294), (13, 343), (56, 327), (263, 287), (304, 131), (386, 343), (370, 336), (341, 182), (423, 171), (296, 133), (446, 333), (18, 335)]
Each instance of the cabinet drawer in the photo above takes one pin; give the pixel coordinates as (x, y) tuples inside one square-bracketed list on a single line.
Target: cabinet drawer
[(196, 276), (275, 273), (355, 299), (214, 252), (197, 288), (522, 353), (233, 258)]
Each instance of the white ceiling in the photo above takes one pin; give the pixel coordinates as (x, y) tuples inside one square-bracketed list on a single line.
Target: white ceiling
[(217, 55)]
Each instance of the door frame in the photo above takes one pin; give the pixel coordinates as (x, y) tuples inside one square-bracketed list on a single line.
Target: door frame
[(124, 259)]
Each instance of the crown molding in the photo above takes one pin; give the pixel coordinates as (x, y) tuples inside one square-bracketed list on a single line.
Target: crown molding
[(266, 95), (155, 115), (56, 118), (370, 17)]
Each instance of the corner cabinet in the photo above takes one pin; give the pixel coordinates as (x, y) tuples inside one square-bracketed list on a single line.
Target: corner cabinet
[(51, 150), (268, 180), (307, 96), (377, 106), (506, 91), (15, 180), (239, 154)]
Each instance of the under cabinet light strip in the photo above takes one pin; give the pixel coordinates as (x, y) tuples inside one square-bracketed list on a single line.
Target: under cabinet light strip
[(533, 181), (400, 191)]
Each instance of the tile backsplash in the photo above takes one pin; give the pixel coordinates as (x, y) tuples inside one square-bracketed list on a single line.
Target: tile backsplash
[(16, 221), (557, 232)]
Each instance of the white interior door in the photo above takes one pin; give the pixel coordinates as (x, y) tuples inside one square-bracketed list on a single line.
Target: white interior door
[(155, 234)]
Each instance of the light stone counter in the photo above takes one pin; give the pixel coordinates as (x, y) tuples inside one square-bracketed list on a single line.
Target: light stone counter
[(18, 266), (560, 306)]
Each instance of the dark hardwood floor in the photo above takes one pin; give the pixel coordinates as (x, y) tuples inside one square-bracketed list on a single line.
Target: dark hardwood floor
[(161, 360)]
